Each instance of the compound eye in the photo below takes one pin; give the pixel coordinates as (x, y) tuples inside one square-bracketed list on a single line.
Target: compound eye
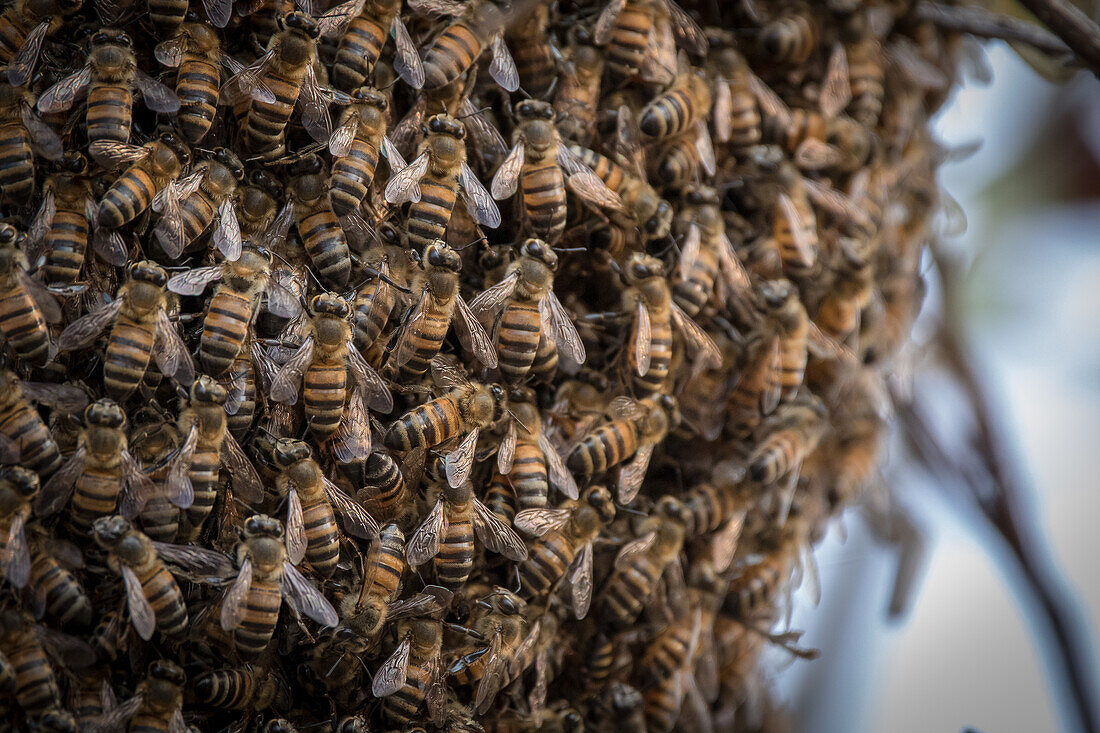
[(653, 224), (640, 271), (509, 607)]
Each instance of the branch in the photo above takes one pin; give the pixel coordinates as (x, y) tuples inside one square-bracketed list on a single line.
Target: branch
[(983, 23), (1079, 32)]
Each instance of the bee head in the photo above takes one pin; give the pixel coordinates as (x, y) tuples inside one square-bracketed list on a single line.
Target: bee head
[(660, 220), (109, 531), (696, 194), (775, 293), (8, 234), (302, 22), (531, 109), (541, 251), (229, 159), (308, 166), (500, 401), (371, 96), (643, 267), (446, 125), (268, 183), (23, 480), (600, 499), (439, 254), (162, 669), (261, 525), (73, 161), (104, 413), (330, 304), (671, 508), (170, 139), (289, 451), (111, 37), (149, 272), (205, 389)]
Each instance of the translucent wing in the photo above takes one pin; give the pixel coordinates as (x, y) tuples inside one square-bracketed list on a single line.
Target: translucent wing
[(803, 245), (56, 491), (343, 136), (687, 31), (199, 560), (446, 374), (496, 535), (472, 335), (436, 8), (559, 475), (227, 235), (233, 604), (580, 581), (835, 202), (696, 339), (61, 397), (15, 562), (489, 301), (83, 331), (21, 66), (301, 596), (246, 482), (352, 441), (633, 473), (193, 282), (110, 246), (634, 548), (377, 393), (522, 655), (406, 61), (689, 252), (769, 101), (334, 22), (424, 544), (773, 390), (158, 97), (538, 522), (43, 298), (507, 450), (61, 95), (36, 233), (722, 113), (355, 518), (479, 203), (392, 154), (506, 179), (607, 20), (626, 408), (460, 461), (813, 154), (280, 301), (113, 154), (561, 328), (628, 143), (179, 479), (170, 52), (493, 678), (391, 676), (218, 11), (836, 92), (642, 338), (176, 724), (906, 57), (705, 148), (590, 187), (315, 115), (246, 79), (171, 354), (141, 487), (404, 184), (141, 612), (734, 273), (485, 136), (502, 68), (296, 540), (43, 139), (284, 388), (434, 599), (405, 348)]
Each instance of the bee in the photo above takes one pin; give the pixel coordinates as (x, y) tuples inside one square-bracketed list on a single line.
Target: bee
[(154, 442), (528, 458), (36, 688), (432, 179), (790, 38), (669, 662), (355, 147), (759, 387), (757, 587), (794, 225), (646, 208), (707, 253), (578, 95), (206, 447), (866, 69), (207, 192), (674, 111), (62, 221), (716, 502), (632, 29), (366, 612), (59, 591), (152, 167), (362, 26), (736, 113), (18, 488), (110, 77), (439, 305), (383, 489), (22, 135), (152, 595), (24, 25), (24, 437), (256, 208), (533, 53), (792, 433), (319, 370), (241, 688), (565, 545), (412, 675), (477, 23), (321, 235), (838, 314), (105, 476), (266, 576), (335, 662), (161, 696), (141, 330), (787, 317), (313, 502), (625, 710), (376, 299), (25, 306), (505, 628), (447, 534), (641, 562)]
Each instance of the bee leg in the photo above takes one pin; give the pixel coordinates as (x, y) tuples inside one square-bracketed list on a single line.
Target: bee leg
[(468, 632)]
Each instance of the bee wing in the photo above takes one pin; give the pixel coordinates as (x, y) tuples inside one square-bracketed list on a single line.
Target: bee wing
[(296, 540), (110, 246), (285, 385), (357, 521), (503, 68), (588, 186), (352, 441), (506, 179), (193, 282), (264, 366), (378, 394), (580, 581), (446, 374), (769, 101), (391, 676), (158, 97), (632, 474), (432, 599), (642, 338), (734, 274), (516, 664), (691, 36), (905, 56), (722, 114), (36, 233), (689, 253), (496, 535), (458, 463), (339, 143), (218, 11), (635, 548), (141, 611), (628, 143), (170, 52), (83, 331), (301, 596), (404, 349), (484, 135), (114, 717), (773, 389), (825, 347), (15, 560), (436, 8), (836, 92), (725, 540), (233, 604), (246, 482), (435, 697), (424, 544), (139, 487), (246, 80), (705, 148), (276, 231), (200, 560), (813, 154), (179, 479), (835, 202), (61, 95), (489, 301), (625, 408), (176, 724), (493, 677), (56, 491), (60, 397), (479, 203), (391, 154), (21, 66), (334, 22), (472, 335), (315, 115), (561, 328), (803, 245), (538, 522), (43, 139), (167, 200), (280, 301), (559, 475), (227, 235), (406, 130), (696, 339), (406, 60), (507, 449), (606, 21), (172, 357), (403, 185), (43, 298)]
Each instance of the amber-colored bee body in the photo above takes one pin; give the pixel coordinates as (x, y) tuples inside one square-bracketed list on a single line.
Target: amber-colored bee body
[(786, 311), (206, 413), (110, 96), (294, 49), (662, 662), (651, 214), (16, 155), (228, 322), (532, 53), (426, 642), (384, 491), (322, 237), (66, 238), (629, 39), (301, 474), (36, 688), (428, 217), (64, 597), (362, 42), (97, 489), (866, 70), (673, 112), (21, 423), (264, 599), (22, 321), (797, 428), (198, 80), (133, 191), (461, 43), (790, 38), (161, 699), (553, 553), (445, 417), (577, 99), (353, 172), (366, 611), (237, 688)]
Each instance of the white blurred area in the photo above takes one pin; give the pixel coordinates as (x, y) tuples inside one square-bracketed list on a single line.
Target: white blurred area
[(967, 655)]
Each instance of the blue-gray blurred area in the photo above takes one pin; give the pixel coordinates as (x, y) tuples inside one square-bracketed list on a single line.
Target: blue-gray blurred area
[(966, 654)]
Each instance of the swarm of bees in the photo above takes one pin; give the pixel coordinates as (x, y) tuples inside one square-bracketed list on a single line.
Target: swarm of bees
[(290, 441)]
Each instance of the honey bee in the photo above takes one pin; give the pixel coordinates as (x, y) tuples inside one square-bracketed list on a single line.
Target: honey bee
[(153, 442), (838, 314), (26, 439), (683, 105), (355, 147), (309, 207), (266, 576), (110, 77), (207, 192), (432, 179), (24, 25), (384, 490), (505, 629), (256, 208), (206, 447), (105, 476), (578, 94), (18, 488), (792, 433), (25, 306), (565, 545), (252, 687), (756, 588), (759, 387), (413, 675), (476, 23), (141, 330), (787, 317), (669, 662), (367, 611), (319, 370), (866, 68), (376, 299), (58, 590), (632, 29), (528, 458), (790, 38), (736, 113), (717, 502), (161, 696), (707, 253), (362, 26), (22, 135), (532, 51), (24, 644), (62, 221), (152, 595), (152, 167), (646, 208)]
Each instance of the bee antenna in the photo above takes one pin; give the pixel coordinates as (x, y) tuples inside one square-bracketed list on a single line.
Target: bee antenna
[(479, 111), (482, 238), (513, 416), (628, 510), (570, 249)]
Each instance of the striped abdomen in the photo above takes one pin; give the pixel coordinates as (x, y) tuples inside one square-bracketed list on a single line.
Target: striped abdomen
[(167, 15), (453, 52), (546, 358), (790, 39), (261, 612), (518, 338), (372, 311), (606, 446), (745, 121), (324, 388), (322, 535), (528, 474), (16, 163), (745, 405), (708, 506), (60, 591), (239, 422), (358, 51), (128, 353), (428, 217), (386, 563), (425, 425), (679, 162), (795, 263), (544, 566), (324, 241), (110, 107), (224, 330), (95, 494), (402, 706), (626, 50), (150, 722), (196, 213), (205, 469), (164, 596), (352, 175), (425, 338), (500, 498), (608, 171), (867, 77), (23, 325), (66, 241), (627, 590), (35, 684), (776, 456), (535, 64), (266, 121), (660, 354), (792, 354), (127, 197), (12, 33), (160, 518), (229, 689), (456, 552), (37, 449), (671, 113), (755, 587), (544, 198), (692, 291), (197, 84), (384, 484)]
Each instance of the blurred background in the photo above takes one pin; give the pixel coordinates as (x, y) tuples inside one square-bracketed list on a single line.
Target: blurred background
[(966, 653)]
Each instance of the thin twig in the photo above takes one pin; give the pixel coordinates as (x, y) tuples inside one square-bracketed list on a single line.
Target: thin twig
[(983, 23), (1067, 22)]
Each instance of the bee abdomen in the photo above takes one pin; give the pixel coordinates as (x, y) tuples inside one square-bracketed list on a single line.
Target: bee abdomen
[(109, 112), (128, 353), (35, 684), (167, 15), (518, 338), (223, 331), (261, 613), (95, 495), (197, 87), (196, 213), (160, 519), (204, 473), (626, 51), (324, 388), (529, 475), (451, 54), (670, 114), (660, 358), (401, 706), (606, 446), (627, 590), (544, 199), (66, 240), (352, 175), (428, 217), (426, 425), (500, 498), (358, 52), (266, 121), (325, 244), (64, 598), (384, 484), (23, 326), (37, 449), (164, 596), (456, 555), (230, 689), (546, 358), (16, 163), (546, 564), (425, 341), (126, 198), (323, 548)]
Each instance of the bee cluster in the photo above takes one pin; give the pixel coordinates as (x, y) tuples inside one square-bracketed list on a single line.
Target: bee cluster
[(290, 441)]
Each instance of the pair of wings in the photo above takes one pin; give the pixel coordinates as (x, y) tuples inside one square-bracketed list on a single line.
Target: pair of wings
[(64, 93), (169, 230), (736, 278), (490, 529), (43, 220), (696, 339), (137, 488), (502, 67), (298, 592), (578, 576), (406, 60), (580, 179), (171, 53), (675, 27), (288, 380), (354, 518), (469, 330), (246, 482), (559, 475), (404, 186)]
